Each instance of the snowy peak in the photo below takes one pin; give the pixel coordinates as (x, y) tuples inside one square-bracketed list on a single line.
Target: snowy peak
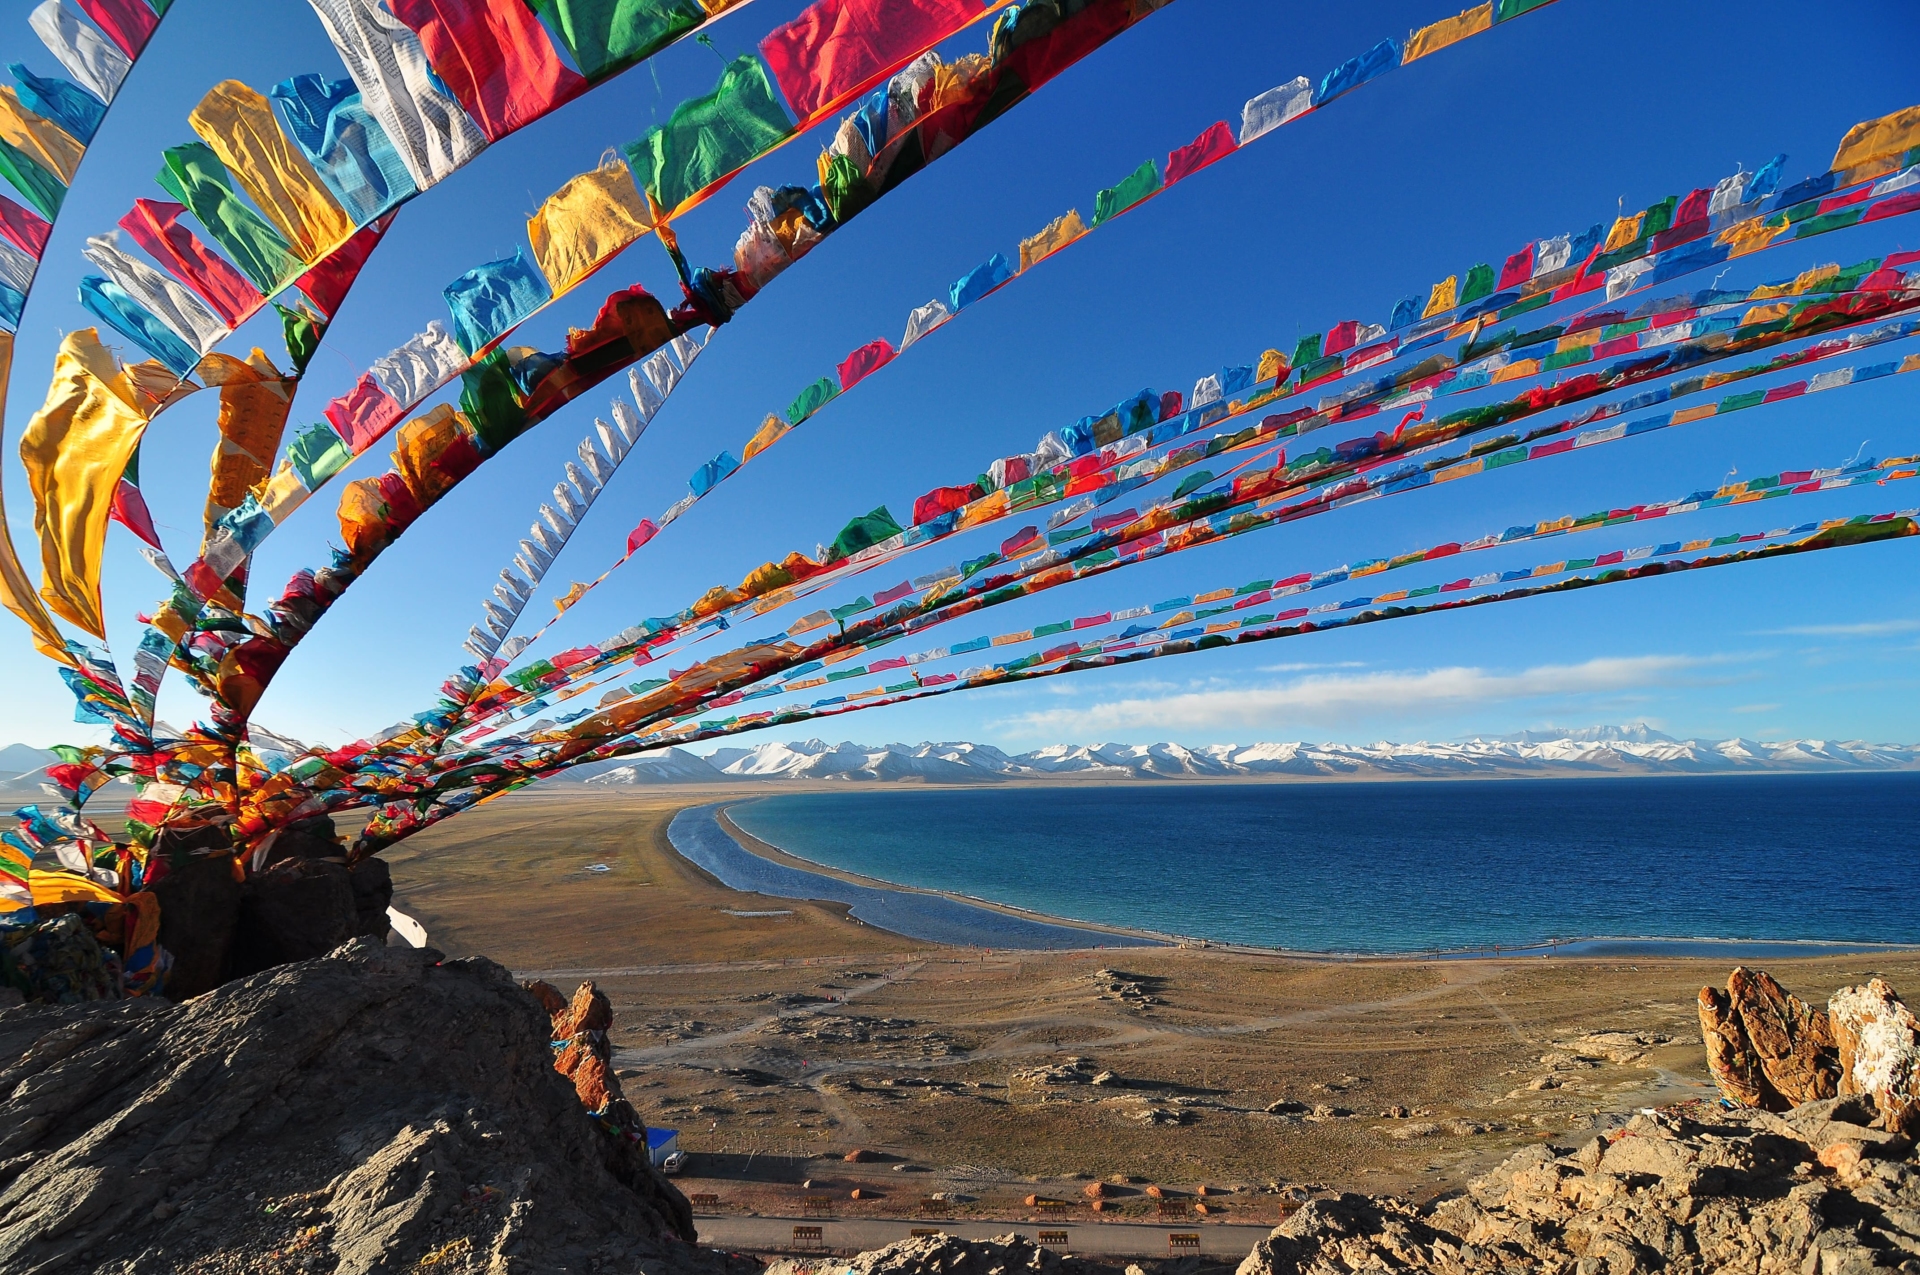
[(1609, 750)]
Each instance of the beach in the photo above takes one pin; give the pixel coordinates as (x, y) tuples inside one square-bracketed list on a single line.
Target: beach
[(780, 1034)]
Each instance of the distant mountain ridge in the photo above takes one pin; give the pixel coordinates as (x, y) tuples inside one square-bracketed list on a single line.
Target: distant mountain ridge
[(1636, 750)]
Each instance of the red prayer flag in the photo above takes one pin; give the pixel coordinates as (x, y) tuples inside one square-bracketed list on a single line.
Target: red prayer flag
[(640, 535), (1342, 336), (128, 23), (1518, 270), (364, 413), (327, 284), (495, 57), (836, 49), (26, 228), (864, 362), (155, 226), (885, 596), (1216, 143), (130, 511)]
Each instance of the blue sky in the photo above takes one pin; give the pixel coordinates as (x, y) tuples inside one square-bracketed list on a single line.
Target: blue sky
[(1543, 126)]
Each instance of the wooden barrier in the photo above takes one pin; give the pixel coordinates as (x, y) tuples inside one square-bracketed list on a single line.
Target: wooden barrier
[(704, 1201), (938, 1207), (1055, 1240), (1054, 1210), (1183, 1242), (813, 1204), (1172, 1208), (808, 1237), (924, 1232)]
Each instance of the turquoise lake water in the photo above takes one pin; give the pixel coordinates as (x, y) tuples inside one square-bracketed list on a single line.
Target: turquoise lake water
[(1400, 867)]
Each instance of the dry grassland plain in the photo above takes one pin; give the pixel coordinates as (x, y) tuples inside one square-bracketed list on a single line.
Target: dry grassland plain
[(779, 1035)]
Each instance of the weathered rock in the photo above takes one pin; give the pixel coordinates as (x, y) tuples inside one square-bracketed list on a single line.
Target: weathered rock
[(199, 911), (1766, 1048), (1878, 1040), (366, 1109), (296, 910), (372, 882), (1685, 1195), (945, 1255), (549, 997), (860, 1155)]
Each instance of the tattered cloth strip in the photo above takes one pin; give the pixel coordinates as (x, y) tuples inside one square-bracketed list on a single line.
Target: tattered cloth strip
[(346, 145), (96, 65), (16, 587), (195, 176), (75, 449), (431, 131), (155, 226), (495, 57), (237, 124)]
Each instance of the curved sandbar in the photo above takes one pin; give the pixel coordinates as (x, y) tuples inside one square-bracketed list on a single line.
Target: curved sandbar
[(934, 918)]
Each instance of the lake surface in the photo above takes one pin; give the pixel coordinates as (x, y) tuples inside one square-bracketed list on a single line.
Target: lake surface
[(1402, 867)]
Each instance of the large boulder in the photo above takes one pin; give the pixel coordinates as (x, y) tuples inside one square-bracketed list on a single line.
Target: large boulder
[(1879, 1046), (1742, 1191), (199, 913), (945, 1255), (362, 1112), (1765, 1047), (295, 910)]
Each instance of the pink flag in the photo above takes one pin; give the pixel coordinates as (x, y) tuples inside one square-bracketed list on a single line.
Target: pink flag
[(838, 48), (495, 57), (1216, 143), (155, 226)]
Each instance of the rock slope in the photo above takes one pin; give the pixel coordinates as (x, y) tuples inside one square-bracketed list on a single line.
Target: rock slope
[(377, 1109), (1735, 1193)]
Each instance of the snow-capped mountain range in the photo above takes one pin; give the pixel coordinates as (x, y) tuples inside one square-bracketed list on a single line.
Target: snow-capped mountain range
[(1635, 750)]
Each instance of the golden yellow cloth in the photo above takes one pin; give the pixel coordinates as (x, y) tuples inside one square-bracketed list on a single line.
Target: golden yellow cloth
[(16, 586), (238, 126), (67, 887), (587, 221), (1888, 137), (1273, 367), (418, 447), (1625, 231), (1437, 36), (1058, 234), (1803, 282), (57, 150), (75, 449), (1751, 235), (1441, 299), (254, 402), (771, 431)]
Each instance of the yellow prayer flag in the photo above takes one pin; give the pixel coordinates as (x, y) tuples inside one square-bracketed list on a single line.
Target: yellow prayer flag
[(1625, 231), (16, 586), (68, 887), (1273, 367), (254, 402), (57, 150), (1057, 235), (238, 126), (1433, 38), (573, 595), (74, 450), (587, 221), (770, 432), (1751, 235), (1889, 137), (1441, 299)]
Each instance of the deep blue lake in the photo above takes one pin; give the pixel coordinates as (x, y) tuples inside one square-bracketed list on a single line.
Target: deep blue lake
[(1398, 867)]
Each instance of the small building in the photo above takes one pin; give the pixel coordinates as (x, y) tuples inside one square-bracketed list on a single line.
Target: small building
[(664, 1146)]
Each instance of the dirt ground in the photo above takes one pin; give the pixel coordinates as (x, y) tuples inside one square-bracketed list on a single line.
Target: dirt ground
[(779, 1043)]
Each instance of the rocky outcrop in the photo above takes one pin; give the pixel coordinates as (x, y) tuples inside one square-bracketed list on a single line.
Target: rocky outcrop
[(1878, 1041), (1766, 1048), (1744, 1193), (378, 1109), (944, 1255)]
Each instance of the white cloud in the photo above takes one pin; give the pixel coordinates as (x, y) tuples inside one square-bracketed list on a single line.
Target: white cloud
[(1753, 708), (1872, 628), (1336, 699)]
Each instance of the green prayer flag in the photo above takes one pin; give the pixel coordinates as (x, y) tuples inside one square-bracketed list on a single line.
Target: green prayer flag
[(492, 402), (39, 187), (1113, 201), (194, 176), (862, 533), (1479, 283), (317, 455), (607, 36), (303, 333), (709, 137), (811, 400)]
